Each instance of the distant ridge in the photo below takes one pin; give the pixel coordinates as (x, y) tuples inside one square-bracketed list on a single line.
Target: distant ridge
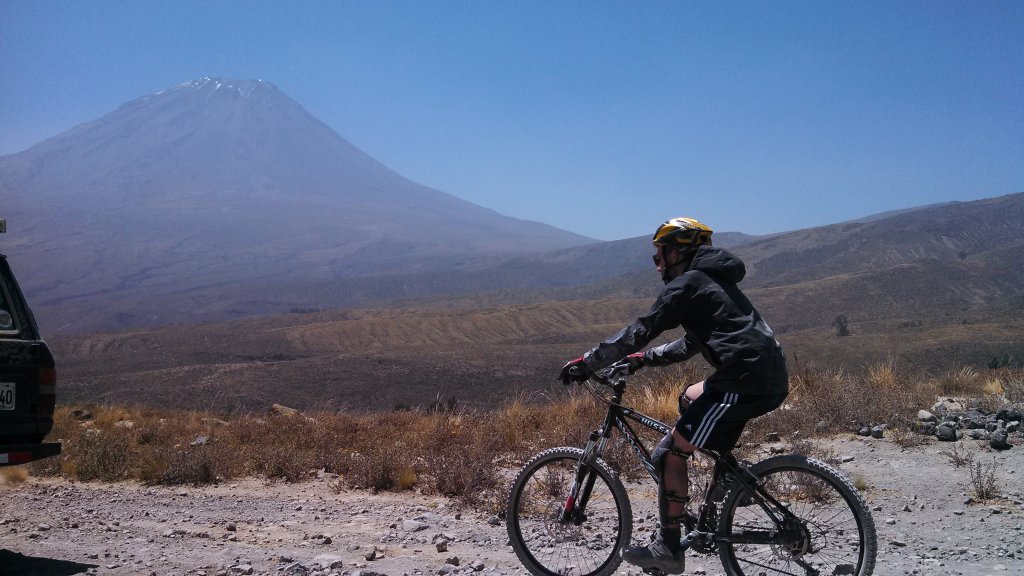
[(900, 212)]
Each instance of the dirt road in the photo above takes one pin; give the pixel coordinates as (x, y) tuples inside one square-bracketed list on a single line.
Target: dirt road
[(926, 521)]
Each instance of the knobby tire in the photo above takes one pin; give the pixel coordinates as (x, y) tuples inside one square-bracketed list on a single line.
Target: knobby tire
[(549, 547), (837, 533)]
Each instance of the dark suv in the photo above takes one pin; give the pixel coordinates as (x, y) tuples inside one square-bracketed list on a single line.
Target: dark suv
[(28, 380)]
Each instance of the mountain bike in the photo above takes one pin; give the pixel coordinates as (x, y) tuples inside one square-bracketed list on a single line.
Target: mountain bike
[(569, 513)]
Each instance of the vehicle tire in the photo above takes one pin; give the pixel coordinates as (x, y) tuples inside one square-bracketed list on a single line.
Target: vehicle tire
[(548, 547), (838, 533)]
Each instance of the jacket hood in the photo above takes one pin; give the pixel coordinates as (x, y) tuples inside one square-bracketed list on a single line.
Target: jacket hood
[(719, 264)]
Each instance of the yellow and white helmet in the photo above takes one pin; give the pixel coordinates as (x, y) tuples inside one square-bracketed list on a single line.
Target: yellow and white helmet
[(682, 233)]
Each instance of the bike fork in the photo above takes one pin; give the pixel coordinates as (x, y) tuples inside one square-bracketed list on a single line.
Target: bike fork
[(583, 485)]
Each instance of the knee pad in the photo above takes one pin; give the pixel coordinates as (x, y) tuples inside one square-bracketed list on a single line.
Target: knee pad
[(684, 402), (665, 447)]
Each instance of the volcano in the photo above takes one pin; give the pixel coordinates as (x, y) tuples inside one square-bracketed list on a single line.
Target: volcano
[(222, 182)]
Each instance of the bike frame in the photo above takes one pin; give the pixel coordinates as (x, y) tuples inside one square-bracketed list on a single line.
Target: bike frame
[(618, 418)]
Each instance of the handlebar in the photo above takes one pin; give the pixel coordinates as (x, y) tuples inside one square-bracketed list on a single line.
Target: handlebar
[(612, 376)]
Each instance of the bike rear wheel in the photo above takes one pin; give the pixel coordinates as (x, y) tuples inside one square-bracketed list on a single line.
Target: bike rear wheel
[(550, 546), (834, 534)]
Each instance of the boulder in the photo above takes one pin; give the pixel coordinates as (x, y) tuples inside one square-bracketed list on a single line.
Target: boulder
[(973, 421), (946, 406), (1010, 415), (214, 421), (1000, 440), (977, 434), (414, 526), (946, 433), (81, 415), (282, 410)]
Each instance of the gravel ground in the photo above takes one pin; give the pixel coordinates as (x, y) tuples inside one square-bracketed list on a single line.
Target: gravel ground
[(927, 524)]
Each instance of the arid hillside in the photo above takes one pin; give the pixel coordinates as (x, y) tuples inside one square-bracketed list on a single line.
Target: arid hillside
[(937, 288), (365, 359), (385, 358)]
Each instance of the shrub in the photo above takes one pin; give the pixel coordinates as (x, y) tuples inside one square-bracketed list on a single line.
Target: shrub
[(457, 456), (884, 393), (906, 438), (376, 470), (1013, 387), (958, 455), (195, 466), (461, 453), (983, 480), (104, 454)]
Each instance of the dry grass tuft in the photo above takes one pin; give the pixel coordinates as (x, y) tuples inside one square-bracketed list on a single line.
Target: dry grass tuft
[(993, 387), (861, 483), (14, 475), (962, 380), (1013, 386)]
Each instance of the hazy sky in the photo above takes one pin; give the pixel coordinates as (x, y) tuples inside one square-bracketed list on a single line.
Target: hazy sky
[(603, 118)]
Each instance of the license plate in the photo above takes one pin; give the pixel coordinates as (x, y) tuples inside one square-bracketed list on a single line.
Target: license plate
[(6, 395)]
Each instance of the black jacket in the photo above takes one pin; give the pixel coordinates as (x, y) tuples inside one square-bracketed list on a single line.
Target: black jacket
[(720, 323)]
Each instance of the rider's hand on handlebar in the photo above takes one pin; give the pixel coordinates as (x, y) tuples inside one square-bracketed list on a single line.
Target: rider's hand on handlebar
[(574, 371), (635, 361)]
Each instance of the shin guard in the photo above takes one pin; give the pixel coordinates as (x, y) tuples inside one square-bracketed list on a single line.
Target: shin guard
[(665, 448)]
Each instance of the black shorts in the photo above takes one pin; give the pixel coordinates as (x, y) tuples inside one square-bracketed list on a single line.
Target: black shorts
[(716, 419)]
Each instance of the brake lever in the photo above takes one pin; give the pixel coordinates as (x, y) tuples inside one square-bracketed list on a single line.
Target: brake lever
[(613, 375)]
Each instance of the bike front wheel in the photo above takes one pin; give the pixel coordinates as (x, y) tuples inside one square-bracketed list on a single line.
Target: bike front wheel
[(832, 533), (549, 544)]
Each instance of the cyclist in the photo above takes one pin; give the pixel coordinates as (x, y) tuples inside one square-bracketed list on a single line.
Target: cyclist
[(749, 380)]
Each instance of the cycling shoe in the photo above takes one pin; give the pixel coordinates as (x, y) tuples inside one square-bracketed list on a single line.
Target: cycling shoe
[(657, 556)]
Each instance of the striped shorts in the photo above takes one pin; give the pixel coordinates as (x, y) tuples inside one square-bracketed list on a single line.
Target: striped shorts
[(716, 419)]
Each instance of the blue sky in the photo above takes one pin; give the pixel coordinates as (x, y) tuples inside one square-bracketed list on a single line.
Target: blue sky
[(604, 118)]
